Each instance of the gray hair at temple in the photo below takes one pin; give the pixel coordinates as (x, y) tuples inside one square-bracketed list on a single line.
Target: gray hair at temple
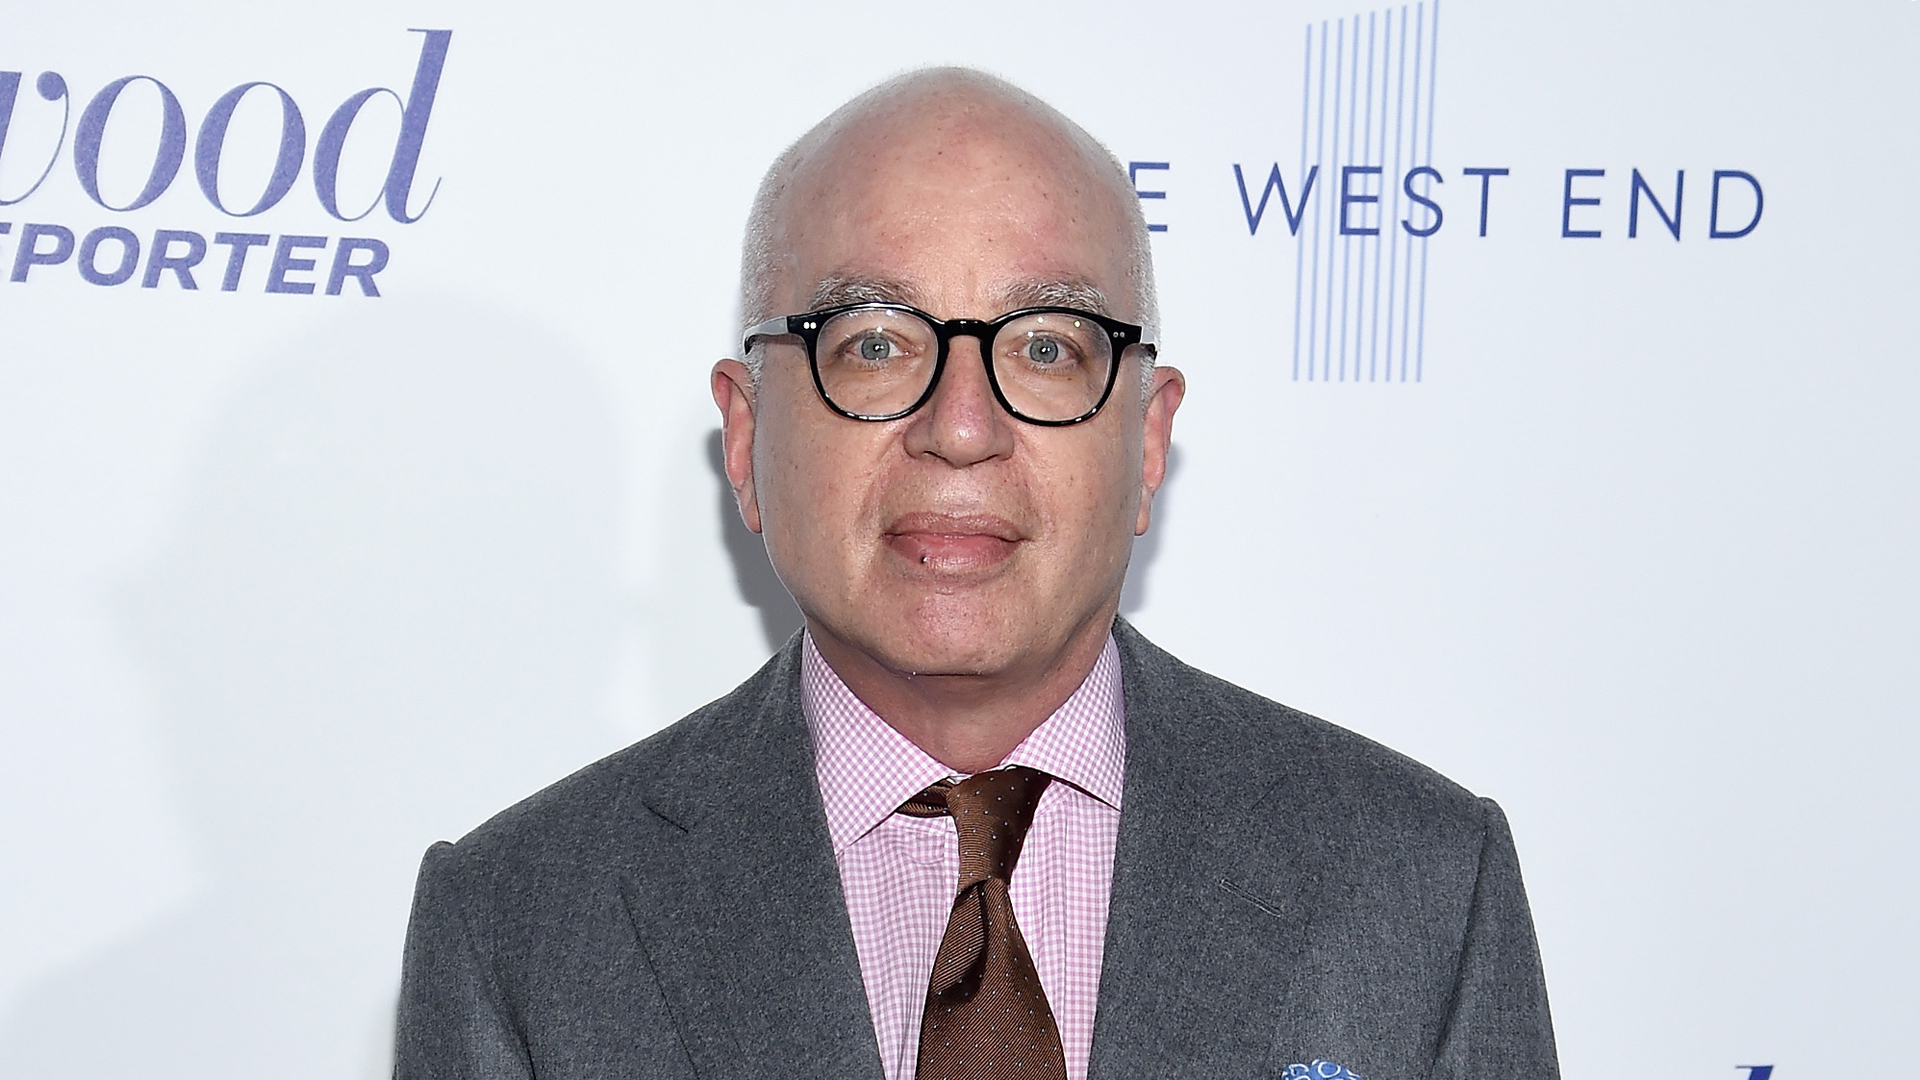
[(761, 256)]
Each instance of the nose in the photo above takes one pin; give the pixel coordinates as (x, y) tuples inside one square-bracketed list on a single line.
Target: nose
[(963, 424)]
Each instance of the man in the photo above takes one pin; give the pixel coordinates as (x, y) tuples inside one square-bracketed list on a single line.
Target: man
[(948, 425)]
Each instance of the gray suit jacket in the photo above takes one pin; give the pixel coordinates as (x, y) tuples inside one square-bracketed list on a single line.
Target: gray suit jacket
[(1283, 891)]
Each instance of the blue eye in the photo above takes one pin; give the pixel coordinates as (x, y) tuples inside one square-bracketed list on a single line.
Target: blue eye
[(875, 347), (1043, 350)]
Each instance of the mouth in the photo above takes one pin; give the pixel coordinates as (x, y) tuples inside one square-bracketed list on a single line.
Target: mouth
[(953, 544)]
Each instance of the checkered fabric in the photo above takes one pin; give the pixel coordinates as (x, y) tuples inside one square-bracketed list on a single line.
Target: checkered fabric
[(899, 872)]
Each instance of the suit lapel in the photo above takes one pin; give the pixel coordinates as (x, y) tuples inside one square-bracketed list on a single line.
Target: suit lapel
[(1209, 908), (740, 910)]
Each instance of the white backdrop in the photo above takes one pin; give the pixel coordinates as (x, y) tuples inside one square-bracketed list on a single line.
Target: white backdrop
[(293, 584)]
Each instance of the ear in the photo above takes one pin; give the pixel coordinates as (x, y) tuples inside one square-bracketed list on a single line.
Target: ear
[(733, 393), (1163, 399)]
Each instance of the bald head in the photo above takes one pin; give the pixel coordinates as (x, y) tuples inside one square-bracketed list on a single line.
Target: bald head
[(916, 143)]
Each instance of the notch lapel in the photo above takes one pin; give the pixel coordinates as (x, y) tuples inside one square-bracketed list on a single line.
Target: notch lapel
[(1209, 910), (740, 913)]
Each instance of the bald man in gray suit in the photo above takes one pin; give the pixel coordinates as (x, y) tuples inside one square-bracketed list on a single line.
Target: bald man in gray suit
[(948, 423)]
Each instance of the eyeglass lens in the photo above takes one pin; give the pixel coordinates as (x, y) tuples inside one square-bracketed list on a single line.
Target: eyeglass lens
[(880, 361)]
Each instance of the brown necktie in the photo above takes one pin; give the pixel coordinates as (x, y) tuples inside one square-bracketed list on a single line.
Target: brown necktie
[(987, 1016)]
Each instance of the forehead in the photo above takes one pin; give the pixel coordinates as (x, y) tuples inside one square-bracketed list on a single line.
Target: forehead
[(958, 203)]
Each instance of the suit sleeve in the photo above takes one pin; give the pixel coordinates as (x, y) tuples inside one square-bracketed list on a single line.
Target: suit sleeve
[(1498, 1026), (453, 1023)]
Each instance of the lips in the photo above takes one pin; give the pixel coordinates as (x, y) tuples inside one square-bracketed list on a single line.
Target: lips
[(953, 544)]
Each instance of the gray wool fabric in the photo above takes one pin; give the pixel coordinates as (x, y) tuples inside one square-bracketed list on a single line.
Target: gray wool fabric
[(1284, 891)]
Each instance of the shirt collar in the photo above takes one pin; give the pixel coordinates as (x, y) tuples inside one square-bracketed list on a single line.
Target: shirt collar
[(866, 769)]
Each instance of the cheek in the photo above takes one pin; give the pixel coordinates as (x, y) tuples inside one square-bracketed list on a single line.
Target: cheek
[(1095, 494), (814, 475)]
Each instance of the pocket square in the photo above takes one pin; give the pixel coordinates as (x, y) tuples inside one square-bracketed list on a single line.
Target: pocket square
[(1319, 1070)]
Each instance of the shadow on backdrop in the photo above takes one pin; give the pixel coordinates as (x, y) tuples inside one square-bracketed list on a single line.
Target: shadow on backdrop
[(1146, 549), (386, 610), (780, 617), (752, 570)]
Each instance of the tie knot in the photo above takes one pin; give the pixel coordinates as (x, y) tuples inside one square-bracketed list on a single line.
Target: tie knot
[(992, 811)]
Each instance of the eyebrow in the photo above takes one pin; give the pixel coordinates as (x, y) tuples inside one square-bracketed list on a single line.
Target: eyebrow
[(836, 289), (1067, 292)]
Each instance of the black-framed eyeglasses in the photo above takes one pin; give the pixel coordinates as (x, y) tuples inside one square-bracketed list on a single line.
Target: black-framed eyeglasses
[(1052, 366)]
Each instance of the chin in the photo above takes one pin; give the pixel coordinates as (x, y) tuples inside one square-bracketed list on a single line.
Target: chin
[(951, 659), (939, 639)]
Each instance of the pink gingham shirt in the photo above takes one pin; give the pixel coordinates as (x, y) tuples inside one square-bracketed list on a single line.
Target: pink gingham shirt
[(899, 873)]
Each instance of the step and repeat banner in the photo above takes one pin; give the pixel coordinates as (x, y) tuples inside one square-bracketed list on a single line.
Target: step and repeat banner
[(1554, 418)]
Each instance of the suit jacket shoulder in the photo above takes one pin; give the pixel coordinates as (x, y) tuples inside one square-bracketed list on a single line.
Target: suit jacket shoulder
[(1297, 891), (1249, 746), (675, 774), (672, 910)]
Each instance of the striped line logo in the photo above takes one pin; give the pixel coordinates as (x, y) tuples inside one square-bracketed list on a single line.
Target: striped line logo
[(1360, 300)]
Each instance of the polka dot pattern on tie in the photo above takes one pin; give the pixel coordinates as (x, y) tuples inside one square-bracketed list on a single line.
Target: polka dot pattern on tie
[(987, 1014)]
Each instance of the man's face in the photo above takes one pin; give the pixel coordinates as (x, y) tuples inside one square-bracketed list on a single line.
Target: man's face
[(957, 540)]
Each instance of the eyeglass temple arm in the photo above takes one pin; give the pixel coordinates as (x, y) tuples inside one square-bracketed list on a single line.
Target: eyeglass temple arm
[(773, 327)]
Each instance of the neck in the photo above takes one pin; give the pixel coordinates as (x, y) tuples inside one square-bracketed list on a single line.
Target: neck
[(968, 722)]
